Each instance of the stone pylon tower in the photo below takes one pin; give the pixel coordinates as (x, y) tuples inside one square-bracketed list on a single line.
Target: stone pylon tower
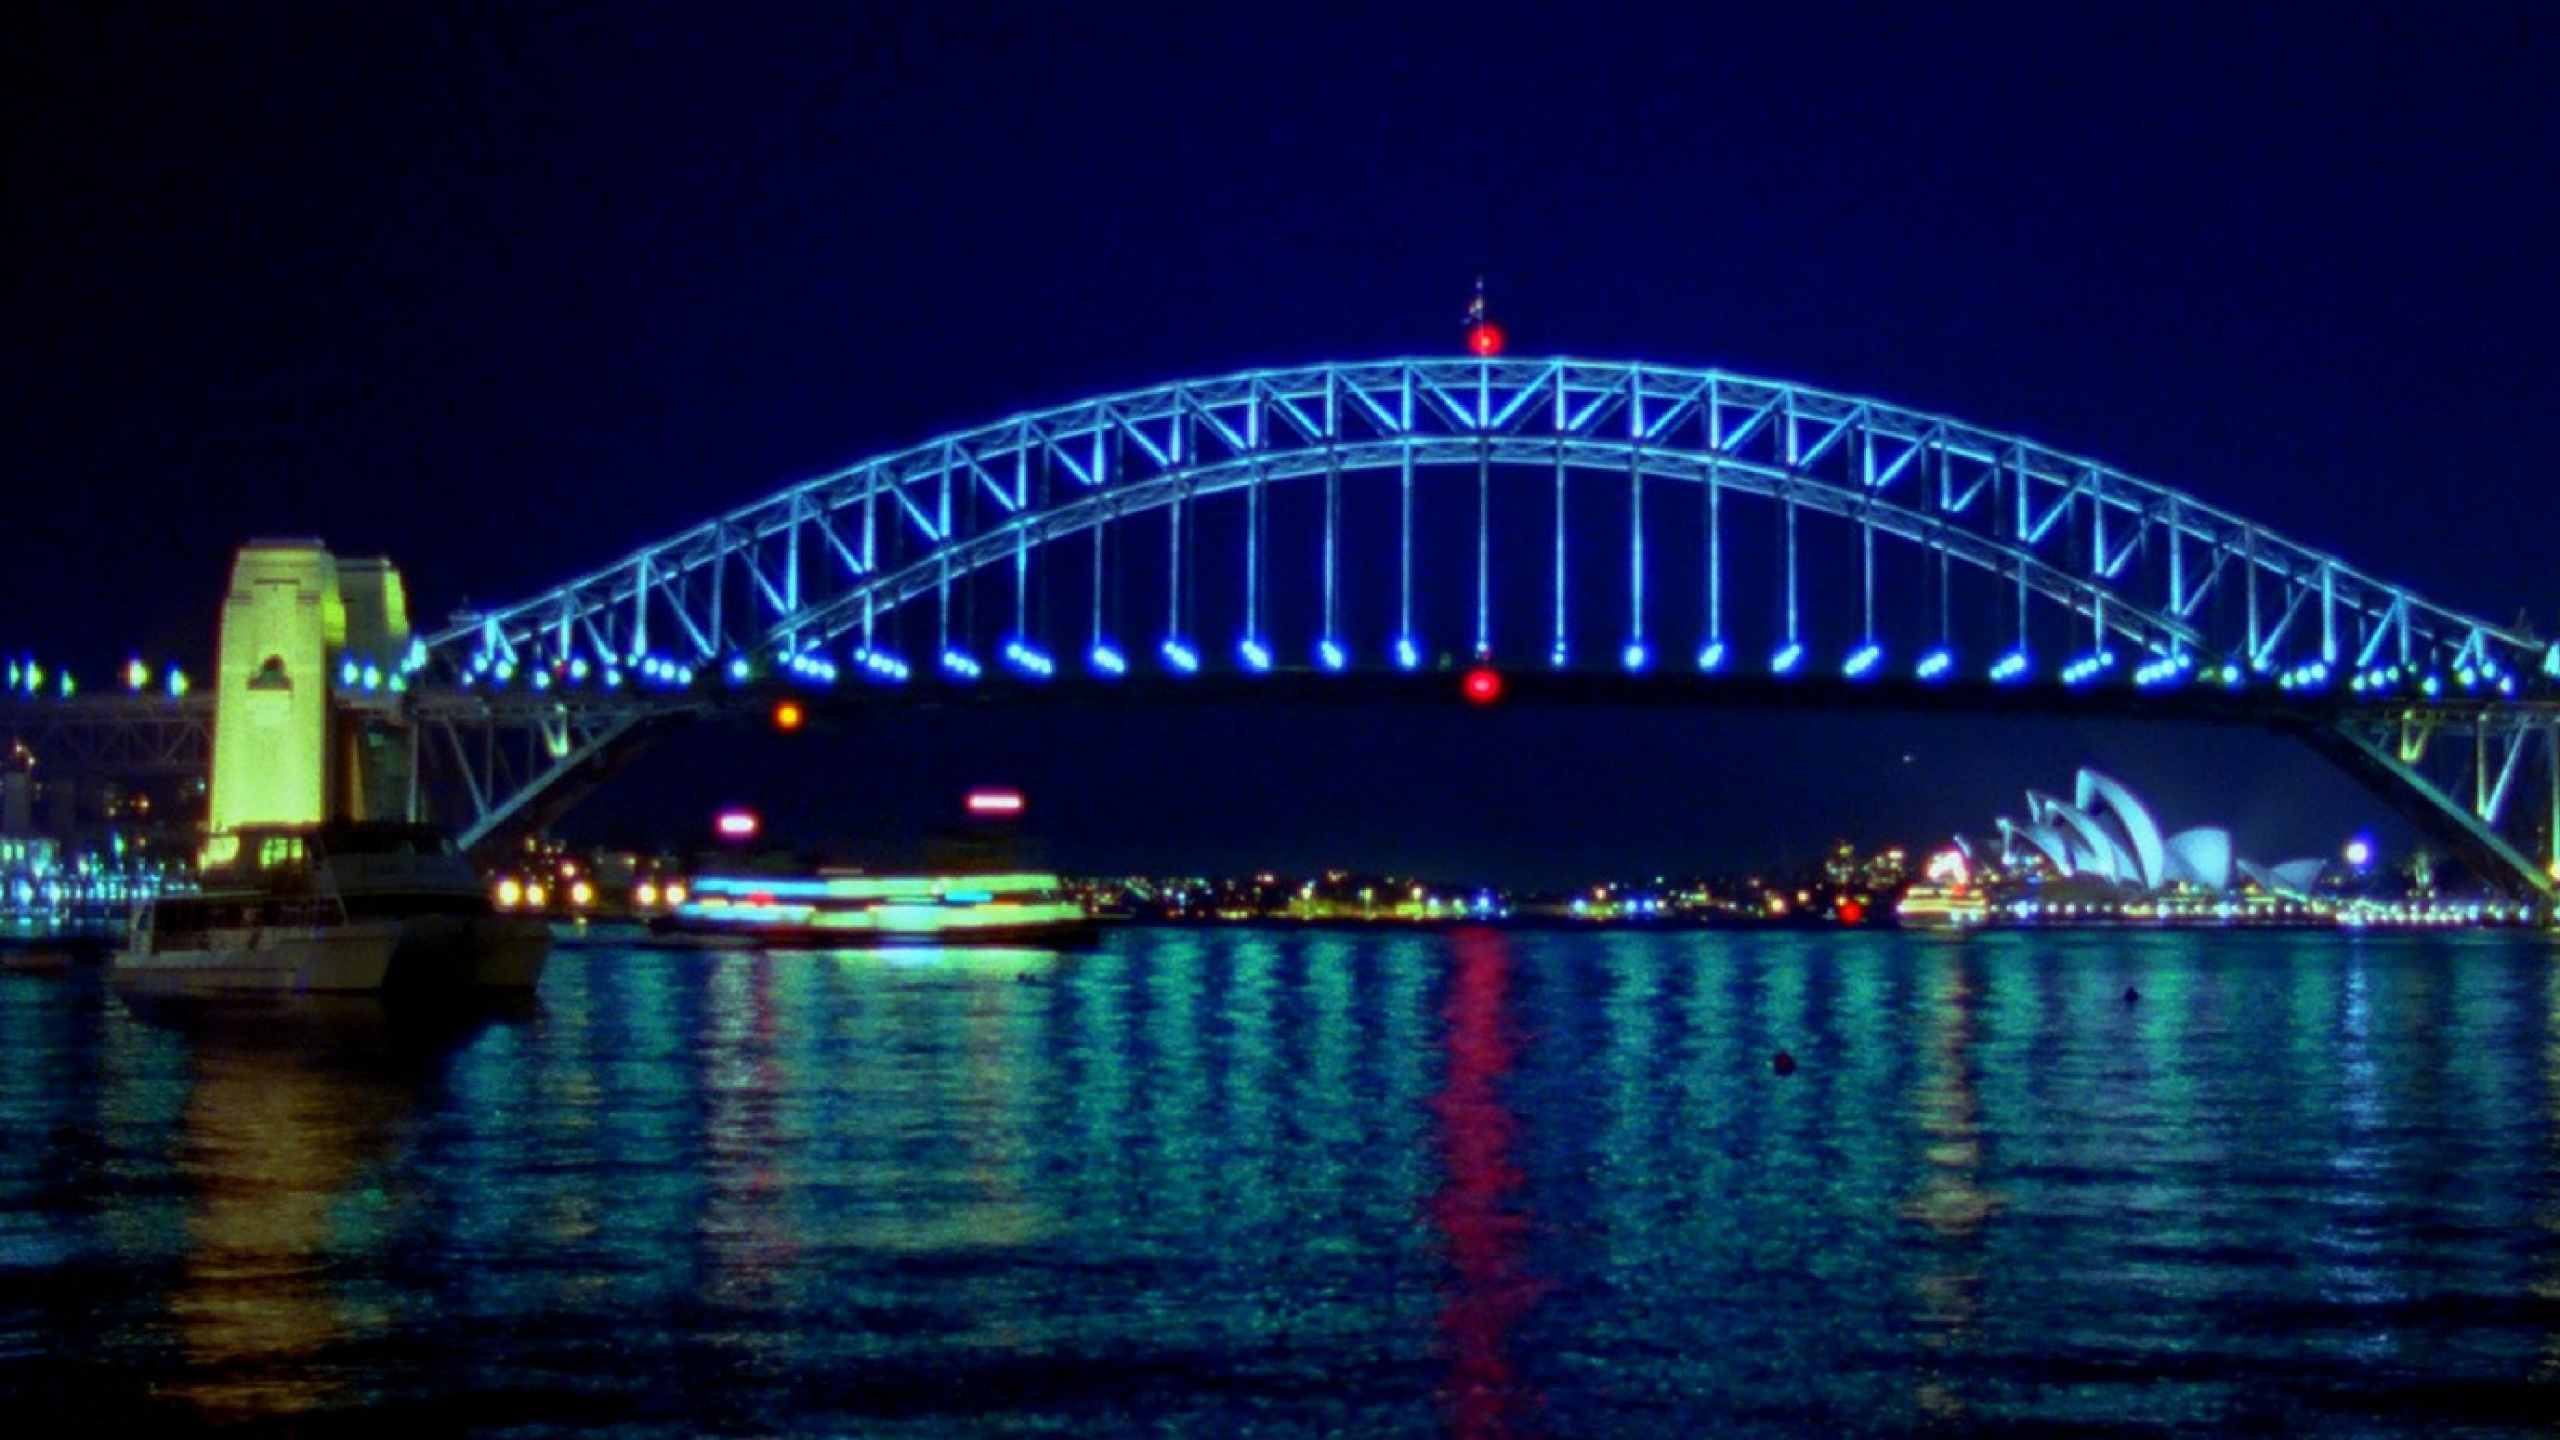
[(297, 627)]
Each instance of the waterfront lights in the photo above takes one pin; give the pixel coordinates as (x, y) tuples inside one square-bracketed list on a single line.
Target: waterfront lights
[(960, 666), (1936, 664), (1408, 654), (1862, 660), (1256, 658), (1711, 657), (1329, 655), (1181, 657), (2009, 667), (1635, 655), (1028, 660), (1107, 661), (1784, 662)]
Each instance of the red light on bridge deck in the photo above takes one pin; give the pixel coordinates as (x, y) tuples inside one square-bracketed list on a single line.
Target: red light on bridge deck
[(737, 824), (1483, 685), (1485, 338), (995, 802)]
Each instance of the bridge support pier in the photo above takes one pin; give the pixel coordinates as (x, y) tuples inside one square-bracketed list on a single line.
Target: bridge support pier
[(284, 751)]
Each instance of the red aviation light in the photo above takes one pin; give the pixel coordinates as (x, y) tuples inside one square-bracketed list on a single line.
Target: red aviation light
[(1485, 338), (1483, 685)]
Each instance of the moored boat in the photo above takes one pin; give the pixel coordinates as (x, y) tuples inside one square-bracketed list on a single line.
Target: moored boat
[(344, 906)]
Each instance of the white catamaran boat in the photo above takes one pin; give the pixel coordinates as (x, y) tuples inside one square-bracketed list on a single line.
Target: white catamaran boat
[(344, 906)]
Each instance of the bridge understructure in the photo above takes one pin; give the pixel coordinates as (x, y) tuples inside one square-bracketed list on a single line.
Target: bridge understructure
[(1609, 531)]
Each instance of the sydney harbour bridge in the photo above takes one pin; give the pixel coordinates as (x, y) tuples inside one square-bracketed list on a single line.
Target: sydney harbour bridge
[(1588, 531)]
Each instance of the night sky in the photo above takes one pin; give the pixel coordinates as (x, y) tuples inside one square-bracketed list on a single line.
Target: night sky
[(507, 291)]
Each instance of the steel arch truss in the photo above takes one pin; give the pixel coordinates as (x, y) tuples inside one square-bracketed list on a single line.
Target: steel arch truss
[(2162, 572), (2102, 580)]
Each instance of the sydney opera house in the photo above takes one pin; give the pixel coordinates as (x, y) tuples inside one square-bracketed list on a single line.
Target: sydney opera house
[(2105, 841)]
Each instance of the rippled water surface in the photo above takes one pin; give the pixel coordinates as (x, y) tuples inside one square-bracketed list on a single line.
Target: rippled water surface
[(1283, 1183)]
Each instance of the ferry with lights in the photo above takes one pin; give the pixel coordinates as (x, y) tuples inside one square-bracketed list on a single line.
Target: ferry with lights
[(1945, 899), (837, 906)]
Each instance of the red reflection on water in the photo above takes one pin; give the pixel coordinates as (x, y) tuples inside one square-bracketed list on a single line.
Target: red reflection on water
[(1483, 1230)]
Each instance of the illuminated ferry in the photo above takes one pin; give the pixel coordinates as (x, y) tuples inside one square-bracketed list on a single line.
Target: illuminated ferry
[(844, 907), (1945, 899), (345, 906)]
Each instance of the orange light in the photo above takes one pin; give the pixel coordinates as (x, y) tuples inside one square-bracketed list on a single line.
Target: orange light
[(788, 715), (1483, 685)]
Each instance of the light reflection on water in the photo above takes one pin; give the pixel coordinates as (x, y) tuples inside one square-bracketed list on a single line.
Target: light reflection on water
[(1280, 1182)]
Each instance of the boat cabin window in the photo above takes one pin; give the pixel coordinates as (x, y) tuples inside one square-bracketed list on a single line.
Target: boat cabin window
[(384, 838)]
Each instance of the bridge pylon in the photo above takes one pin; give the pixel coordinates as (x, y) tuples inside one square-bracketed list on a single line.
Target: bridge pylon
[(285, 751)]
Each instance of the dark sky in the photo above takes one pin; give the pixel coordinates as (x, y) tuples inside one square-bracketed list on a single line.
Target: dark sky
[(505, 291)]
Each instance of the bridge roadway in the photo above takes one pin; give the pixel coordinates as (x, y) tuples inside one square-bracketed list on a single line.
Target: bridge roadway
[(156, 736)]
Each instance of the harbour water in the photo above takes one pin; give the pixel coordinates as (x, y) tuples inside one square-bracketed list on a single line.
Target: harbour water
[(1266, 1182)]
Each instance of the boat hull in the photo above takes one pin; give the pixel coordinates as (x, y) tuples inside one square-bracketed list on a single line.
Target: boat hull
[(420, 955), (337, 959)]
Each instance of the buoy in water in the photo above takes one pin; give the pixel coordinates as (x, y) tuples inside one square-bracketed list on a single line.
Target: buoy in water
[(1783, 1063)]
